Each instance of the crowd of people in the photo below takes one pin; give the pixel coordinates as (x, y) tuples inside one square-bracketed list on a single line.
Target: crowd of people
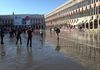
[(17, 33)]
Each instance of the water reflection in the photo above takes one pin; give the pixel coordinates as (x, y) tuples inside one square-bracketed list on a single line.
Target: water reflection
[(18, 50), (51, 32), (42, 39), (2, 50), (29, 51), (86, 47), (58, 45), (29, 56), (92, 38)]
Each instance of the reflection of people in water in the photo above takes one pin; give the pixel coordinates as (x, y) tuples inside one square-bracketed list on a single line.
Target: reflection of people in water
[(18, 50), (29, 50), (2, 51), (51, 32), (41, 40), (42, 37), (58, 46), (29, 56)]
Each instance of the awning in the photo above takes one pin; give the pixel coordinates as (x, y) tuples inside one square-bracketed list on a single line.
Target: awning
[(93, 5), (81, 9), (88, 6), (90, 19), (95, 17), (78, 10), (74, 11), (98, 3), (86, 21), (84, 8), (75, 22), (78, 22)]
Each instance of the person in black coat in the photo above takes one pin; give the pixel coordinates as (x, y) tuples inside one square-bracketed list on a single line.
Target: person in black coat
[(2, 35), (19, 36), (57, 31), (29, 39)]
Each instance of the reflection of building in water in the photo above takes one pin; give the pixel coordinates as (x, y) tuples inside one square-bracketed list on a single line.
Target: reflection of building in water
[(76, 13), (23, 20)]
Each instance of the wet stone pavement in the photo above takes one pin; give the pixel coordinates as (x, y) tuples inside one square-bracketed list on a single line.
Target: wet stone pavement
[(77, 46), (41, 56)]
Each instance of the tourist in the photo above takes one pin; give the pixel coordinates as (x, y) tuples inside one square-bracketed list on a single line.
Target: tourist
[(29, 39), (57, 31), (19, 36), (2, 35)]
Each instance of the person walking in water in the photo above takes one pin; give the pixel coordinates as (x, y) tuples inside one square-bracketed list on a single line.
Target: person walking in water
[(29, 39), (2, 35), (57, 31), (19, 36)]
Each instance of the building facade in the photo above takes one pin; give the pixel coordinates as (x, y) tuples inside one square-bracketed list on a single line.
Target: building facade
[(6, 20), (76, 13), (23, 20)]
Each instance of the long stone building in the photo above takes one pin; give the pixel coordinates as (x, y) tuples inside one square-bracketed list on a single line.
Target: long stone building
[(76, 13), (23, 20)]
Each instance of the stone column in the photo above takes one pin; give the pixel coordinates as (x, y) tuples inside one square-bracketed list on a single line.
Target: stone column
[(98, 21), (93, 23)]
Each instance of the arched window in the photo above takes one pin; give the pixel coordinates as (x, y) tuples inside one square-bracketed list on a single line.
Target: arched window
[(91, 25), (99, 21), (87, 25), (95, 23)]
